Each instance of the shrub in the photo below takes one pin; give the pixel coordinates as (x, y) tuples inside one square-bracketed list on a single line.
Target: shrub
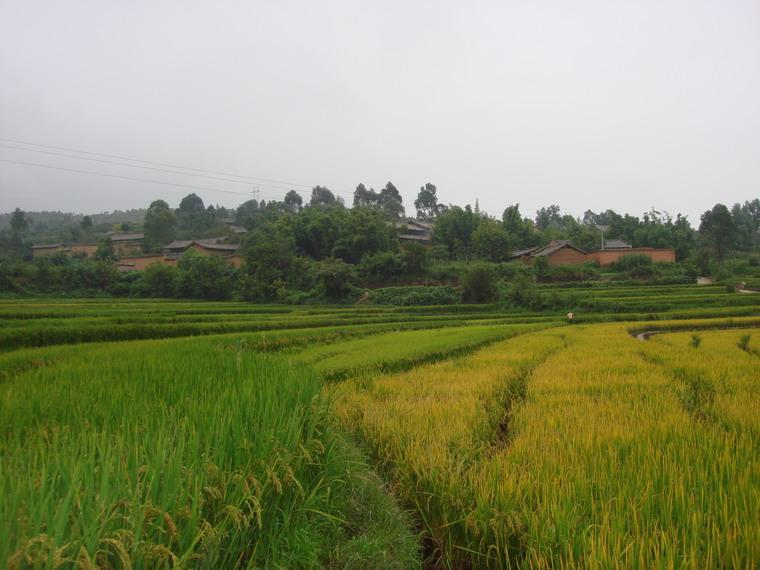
[(696, 340), (520, 293), (415, 257), (204, 277), (333, 278), (632, 261), (160, 280), (381, 267), (418, 295), (479, 284)]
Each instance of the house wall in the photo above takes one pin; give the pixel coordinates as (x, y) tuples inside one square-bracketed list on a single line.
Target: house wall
[(141, 262), (235, 260), (611, 256), (46, 251), (123, 249), (566, 256), (87, 249)]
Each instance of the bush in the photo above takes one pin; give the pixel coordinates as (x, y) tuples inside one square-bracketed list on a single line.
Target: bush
[(520, 293), (333, 278), (382, 267), (418, 295), (204, 277), (632, 261), (513, 270), (415, 257), (160, 280), (479, 284)]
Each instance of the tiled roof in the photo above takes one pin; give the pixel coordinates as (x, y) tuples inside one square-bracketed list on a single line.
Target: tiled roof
[(616, 244), (116, 236), (204, 243)]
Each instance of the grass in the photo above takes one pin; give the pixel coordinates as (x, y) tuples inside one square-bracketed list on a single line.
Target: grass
[(171, 433), (601, 457), (184, 454)]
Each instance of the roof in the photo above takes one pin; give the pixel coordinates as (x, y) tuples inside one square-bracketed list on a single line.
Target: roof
[(183, 244), (542, 251), (118, 236), (521, 252), (554, 246), (616, 244), (47, 245), (415, 237)]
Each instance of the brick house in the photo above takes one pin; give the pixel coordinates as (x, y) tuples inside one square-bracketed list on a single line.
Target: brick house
[(557, 252)]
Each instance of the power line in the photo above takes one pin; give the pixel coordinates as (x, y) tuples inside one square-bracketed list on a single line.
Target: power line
[(165, 164), (78, 171), (100, 160)]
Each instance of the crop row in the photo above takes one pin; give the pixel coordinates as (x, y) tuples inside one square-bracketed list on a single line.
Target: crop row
[(574, 447)]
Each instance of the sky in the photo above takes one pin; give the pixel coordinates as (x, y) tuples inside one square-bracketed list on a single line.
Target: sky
[(585, 104)]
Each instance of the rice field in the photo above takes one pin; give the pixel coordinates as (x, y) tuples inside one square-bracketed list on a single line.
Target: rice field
[(163, 434)]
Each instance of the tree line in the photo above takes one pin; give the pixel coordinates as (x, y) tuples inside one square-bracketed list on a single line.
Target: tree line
[(324, 248)]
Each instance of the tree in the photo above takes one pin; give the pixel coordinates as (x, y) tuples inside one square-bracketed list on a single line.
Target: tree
[(334, 278), (364, 198), (453, 229), (546, 217), (717, 231), (192, 216), (86, 224), (479, 284), (159, 225), (19, 222), (519, 230), (160, 280), (427, 204), (203, 277), (105, 251), (363, 232), (315, 230), (746, 219), (293, 202), (391, 202), (490, 241), (271, 262), (322, 197)]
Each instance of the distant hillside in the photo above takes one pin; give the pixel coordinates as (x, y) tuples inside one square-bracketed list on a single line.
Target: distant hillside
[(55, 220)]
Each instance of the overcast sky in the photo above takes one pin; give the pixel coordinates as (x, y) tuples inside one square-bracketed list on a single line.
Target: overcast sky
[(586, 104)]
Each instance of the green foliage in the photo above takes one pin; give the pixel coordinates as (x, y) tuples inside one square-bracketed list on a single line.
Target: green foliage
[(203, 277), (453, 229), (333, 278), (390, 202), (105, 251), (272, 265), (159, 226), (160, 280), (382, 267), (415, 257), (696, 340), (479, 284), (202, 454), (426, 204), (490, 241), (632, 261), (193, 220), (322, 197), (416, 295), (717, 231)]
